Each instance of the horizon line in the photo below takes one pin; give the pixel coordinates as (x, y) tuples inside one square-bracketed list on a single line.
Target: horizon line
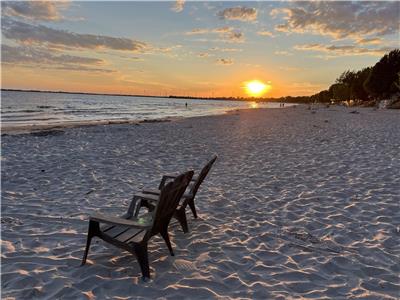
[(231, 98)]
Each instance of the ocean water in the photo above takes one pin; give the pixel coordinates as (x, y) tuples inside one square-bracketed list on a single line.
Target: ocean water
[(22, 109)]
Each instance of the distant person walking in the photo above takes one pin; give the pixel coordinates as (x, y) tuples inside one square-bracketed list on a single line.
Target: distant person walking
[(186, 104)]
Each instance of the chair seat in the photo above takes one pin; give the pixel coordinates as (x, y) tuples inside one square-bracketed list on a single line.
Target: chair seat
[(125, 234)]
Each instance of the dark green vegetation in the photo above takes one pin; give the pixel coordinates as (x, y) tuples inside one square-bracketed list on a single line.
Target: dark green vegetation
[(365, 86)]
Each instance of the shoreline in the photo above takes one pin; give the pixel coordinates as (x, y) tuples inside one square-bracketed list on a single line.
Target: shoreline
[(28, 129)]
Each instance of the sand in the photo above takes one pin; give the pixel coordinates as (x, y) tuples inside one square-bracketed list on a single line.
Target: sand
[(300, 205)]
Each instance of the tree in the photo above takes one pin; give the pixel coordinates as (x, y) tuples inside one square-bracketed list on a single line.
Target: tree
[(339, 91), (357, 88), (383, 76)]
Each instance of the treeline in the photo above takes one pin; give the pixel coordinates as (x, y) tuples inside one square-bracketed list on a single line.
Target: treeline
[(369, 84)]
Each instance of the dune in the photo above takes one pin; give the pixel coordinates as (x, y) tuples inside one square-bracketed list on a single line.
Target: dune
[(301, 204)]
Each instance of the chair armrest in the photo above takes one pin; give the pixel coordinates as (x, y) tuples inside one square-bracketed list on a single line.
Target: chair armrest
[(151, 191), (138, 223), (148, 197)]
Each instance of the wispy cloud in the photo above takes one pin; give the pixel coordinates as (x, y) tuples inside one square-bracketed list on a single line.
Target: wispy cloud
[(224, 61), (343, 50), (265, 33), (341, 19), (204, 54), (80, 69), (34, 10), (240, 13), (283, 53), (178, 5), (198, 31), (226, 49), (38, 57), (227, 34), (372, 41), (234, 37), (42, 35)]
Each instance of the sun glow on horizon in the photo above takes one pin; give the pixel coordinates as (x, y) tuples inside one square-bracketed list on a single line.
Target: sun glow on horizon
[(256, 88)]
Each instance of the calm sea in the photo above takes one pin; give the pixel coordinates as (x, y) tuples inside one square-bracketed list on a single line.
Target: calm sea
[(21, 109)]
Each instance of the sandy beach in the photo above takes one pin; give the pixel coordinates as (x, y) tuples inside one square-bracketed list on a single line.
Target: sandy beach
[(301, 204)]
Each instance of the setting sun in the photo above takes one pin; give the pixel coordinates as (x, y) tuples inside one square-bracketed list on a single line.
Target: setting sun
[(256, 88)]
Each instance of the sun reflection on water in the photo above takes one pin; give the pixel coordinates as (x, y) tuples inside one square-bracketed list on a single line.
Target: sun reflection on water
[(254, 105)]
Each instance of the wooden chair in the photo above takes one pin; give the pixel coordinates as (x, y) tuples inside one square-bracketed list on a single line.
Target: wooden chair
[(133, 231), (150, 195)]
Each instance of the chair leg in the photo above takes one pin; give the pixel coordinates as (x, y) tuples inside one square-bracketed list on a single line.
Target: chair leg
[(193, 208), (93, 230), (165, 235), (143, 259), (180, 215)]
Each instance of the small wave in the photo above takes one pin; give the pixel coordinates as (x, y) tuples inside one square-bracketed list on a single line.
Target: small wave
[(22, 111), (78, 111), (45, 106), (11, 116), (26, 120)]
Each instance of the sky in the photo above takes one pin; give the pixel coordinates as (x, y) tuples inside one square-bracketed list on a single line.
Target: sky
[(190, 48)]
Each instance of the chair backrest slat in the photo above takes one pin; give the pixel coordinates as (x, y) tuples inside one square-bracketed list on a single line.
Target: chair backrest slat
[(169, 200), (201, 176)]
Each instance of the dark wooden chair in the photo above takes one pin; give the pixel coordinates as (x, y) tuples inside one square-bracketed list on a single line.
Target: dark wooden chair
[(133, 231), (150, 195)]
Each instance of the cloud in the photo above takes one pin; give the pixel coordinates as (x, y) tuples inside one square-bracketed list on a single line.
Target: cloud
[(347, 50), (265, 33), (225, 29), (199, 31), (12, 54), (204, 54), (80, 69), (168, 49), (178, 5), (240, 13), (234, 37), (341, 19), (34, 10), (284, 53), (224, 61), (38, 57), (41, 35), (226, 49), (227, 34), (372, 41)]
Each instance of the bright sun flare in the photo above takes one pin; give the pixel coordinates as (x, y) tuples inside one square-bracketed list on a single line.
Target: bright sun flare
[(256, 88)]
